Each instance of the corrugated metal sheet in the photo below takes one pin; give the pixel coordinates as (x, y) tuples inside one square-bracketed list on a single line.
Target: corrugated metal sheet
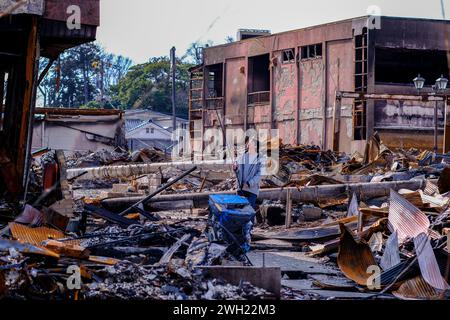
[(353, 207), (430, 188), (428, 263), (354, 257), (417, 289), (391, 256), (405, 218), (33, 235)]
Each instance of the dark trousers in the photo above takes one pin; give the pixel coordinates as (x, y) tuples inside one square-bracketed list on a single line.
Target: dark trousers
[(250, 197)]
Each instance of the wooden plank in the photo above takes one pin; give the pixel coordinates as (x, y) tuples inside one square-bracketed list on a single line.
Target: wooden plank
[(27, 119)]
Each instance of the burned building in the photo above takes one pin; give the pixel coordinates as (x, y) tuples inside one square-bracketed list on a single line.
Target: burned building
[(288, 81)]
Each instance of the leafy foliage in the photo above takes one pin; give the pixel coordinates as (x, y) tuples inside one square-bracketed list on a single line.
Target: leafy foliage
[(80, 76), (149, 86)]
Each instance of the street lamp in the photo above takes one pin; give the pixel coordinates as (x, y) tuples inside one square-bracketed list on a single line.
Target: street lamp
[(419, 82), (439, 87), (441, 83)]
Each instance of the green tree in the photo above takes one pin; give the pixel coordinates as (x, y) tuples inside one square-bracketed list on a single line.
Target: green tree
[(82, 76), (149, 86)]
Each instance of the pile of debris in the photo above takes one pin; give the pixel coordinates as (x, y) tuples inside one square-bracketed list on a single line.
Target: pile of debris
[(328, 226)]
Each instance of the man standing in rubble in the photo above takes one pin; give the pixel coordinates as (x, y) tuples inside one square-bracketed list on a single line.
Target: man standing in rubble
[(248, 173)]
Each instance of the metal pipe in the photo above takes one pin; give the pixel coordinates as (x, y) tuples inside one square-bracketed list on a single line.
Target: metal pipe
[(159, 190), (436, 128), (131, 170)]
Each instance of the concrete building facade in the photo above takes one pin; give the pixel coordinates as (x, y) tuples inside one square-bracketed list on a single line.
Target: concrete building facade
[(288, 81)]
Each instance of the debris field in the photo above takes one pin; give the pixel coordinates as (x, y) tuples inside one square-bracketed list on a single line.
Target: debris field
[(114, 225)]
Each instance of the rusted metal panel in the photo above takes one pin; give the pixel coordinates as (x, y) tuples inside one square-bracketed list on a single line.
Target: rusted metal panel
[(428, 263), (57, 10), (236, 91), (391, 256), (407, 139), (354, 257), (417, 289), (405, 218), (33, 236)]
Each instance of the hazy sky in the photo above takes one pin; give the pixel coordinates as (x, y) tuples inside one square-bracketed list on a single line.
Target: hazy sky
[(141, 29)]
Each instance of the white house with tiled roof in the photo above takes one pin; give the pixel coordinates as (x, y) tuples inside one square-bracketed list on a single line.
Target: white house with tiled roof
[(146, 129)]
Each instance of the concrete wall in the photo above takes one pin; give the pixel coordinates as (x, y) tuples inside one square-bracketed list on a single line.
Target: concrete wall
[(78, 133)]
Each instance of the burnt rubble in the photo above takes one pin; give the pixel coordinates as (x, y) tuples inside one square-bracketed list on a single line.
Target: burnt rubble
[(328, 226)]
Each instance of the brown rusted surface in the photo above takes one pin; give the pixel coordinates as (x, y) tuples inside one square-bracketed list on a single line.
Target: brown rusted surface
[(103, 260), (354, 257), (29, 101), (417, 289), (406, 139), (33, 236), (405, 218), (67, 249)]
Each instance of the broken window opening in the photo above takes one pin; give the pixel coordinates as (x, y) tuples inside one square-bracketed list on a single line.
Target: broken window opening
[(214, 86), (401, 66), (312, 51), (288, 56), (259, 79), (215, 80)]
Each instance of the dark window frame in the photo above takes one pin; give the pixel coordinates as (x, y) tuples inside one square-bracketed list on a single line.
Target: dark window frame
[(288, 56), (313, 51)]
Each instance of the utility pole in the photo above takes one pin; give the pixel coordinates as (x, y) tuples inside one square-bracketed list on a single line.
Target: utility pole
[(174, 69)]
